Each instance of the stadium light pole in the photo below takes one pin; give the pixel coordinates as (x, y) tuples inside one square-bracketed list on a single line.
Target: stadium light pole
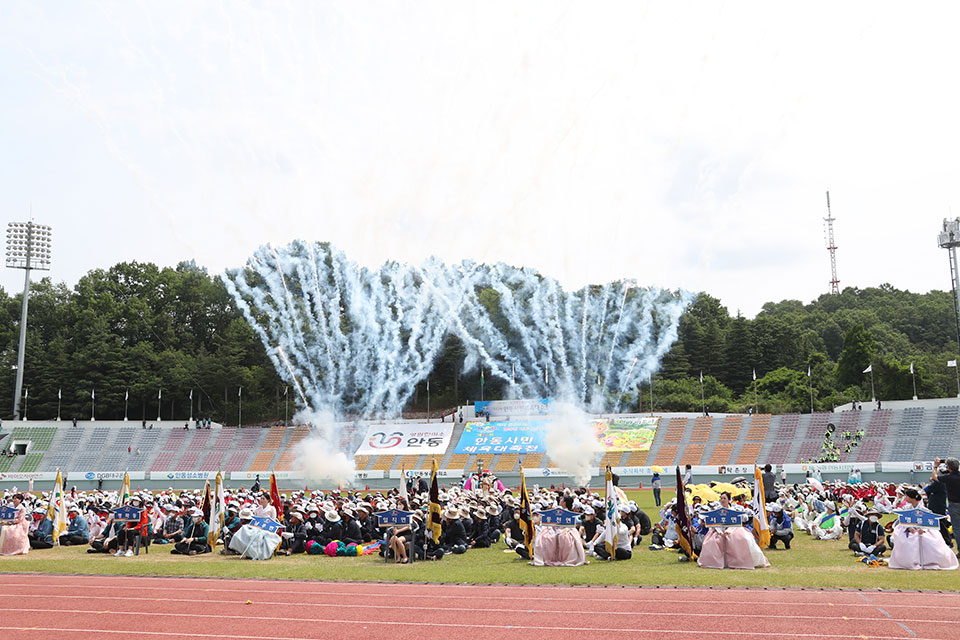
[(28, 247)]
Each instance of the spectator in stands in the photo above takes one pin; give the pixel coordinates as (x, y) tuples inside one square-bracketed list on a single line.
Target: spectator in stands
[(78, 532)]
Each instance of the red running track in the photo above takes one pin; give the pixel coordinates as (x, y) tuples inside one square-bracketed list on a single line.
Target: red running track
[(43, 606)]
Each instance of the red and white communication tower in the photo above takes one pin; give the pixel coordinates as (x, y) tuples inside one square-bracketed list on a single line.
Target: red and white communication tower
[(832, 248)]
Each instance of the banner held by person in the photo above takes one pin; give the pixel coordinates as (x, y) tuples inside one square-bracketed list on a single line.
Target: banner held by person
[(684, 530), (526, 517)]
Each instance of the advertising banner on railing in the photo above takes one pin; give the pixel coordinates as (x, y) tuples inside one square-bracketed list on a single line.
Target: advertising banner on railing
[(505, 436), (183, 475), (104, 475), (519, 408), (626, 434), (425, 473), (406, 439), (10, 476)]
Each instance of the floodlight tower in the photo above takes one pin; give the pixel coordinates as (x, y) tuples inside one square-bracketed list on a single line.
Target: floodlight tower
[(832, 248), (949, 239), (28, 247)]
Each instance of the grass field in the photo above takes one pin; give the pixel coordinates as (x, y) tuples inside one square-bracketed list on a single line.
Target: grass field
[(809, 564)]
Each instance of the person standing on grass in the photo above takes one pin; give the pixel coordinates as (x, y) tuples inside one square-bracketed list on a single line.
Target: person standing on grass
[(951, 480), (655, 483), (937, 502)]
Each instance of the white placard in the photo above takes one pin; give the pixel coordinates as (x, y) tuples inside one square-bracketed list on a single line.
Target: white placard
[(27, 475), (425, 473), (406, 439), (105, 475), (182, 475), (831, 467)]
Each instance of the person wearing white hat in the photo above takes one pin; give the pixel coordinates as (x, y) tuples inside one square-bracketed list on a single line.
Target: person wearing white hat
[(781, 527), (78, 532), (244, 517), (868, 538), (171, 531), (294, 536), (827, 525), (195, 538), (42, 536)]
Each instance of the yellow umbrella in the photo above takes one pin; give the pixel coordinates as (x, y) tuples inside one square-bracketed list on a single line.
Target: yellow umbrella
[(720, 487), (657, 468), (706, 493)]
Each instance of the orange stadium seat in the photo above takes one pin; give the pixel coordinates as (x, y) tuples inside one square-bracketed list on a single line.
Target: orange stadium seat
[(721, 454), (749, 453), (732, 424), (666, 454)]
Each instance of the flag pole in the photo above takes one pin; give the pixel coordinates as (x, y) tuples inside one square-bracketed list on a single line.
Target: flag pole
[(810, 384), (651, 394), (914, 376), (873, 393), (756, 404), (58, 405), (703, 403)]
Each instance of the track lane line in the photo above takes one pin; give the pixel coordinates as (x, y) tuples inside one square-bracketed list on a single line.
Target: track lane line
[(476, 591)]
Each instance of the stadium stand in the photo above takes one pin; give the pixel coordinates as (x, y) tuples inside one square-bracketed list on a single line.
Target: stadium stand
[(902, 433), (732, 425), (759, 424), (692, 454), (721, 454), (675, 429), (701, 429), (666, 455)]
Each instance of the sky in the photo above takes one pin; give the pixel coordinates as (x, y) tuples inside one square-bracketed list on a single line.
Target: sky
[(683, 145)]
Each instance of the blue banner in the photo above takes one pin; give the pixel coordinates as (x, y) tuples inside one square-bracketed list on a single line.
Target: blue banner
[(8, 514), (506, 436), (919, 518), (267, 524), (559, 518), (127, 514), (722, 518), (393, 517)]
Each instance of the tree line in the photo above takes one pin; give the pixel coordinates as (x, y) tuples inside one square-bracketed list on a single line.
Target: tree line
[(135, 330)]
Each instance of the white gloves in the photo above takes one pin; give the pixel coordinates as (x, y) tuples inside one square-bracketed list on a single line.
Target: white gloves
[(871, 548), (287, 535), (863, 547)]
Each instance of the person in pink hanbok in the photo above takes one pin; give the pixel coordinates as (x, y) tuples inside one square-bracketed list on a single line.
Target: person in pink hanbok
[(13, 539), (730, 547), (919, 547)]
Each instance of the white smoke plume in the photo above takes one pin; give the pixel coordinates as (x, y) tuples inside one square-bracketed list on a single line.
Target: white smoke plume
[(318, 456), (570, 442)]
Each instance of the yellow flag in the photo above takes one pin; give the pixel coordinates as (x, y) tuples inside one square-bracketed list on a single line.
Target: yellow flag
[(761, 523), (57, 510), (434, 524), (526, 517), (125, 489)]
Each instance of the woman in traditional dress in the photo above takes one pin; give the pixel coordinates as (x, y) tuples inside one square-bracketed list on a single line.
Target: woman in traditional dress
[(14, 540), (730, 547), (919, 547)]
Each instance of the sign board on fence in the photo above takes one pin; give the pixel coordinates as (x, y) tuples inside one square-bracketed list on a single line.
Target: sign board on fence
[(829, 467), (8, 515), (504, 436), (393, 517), (13, 476), (425, 473), (539, 407), (627, 433), (104, 475), (183, 475), (406, 439), (127, 514), (559, 518)]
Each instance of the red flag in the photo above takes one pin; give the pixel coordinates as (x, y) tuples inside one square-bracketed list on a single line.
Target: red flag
[(275, 497), (684, 530)]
